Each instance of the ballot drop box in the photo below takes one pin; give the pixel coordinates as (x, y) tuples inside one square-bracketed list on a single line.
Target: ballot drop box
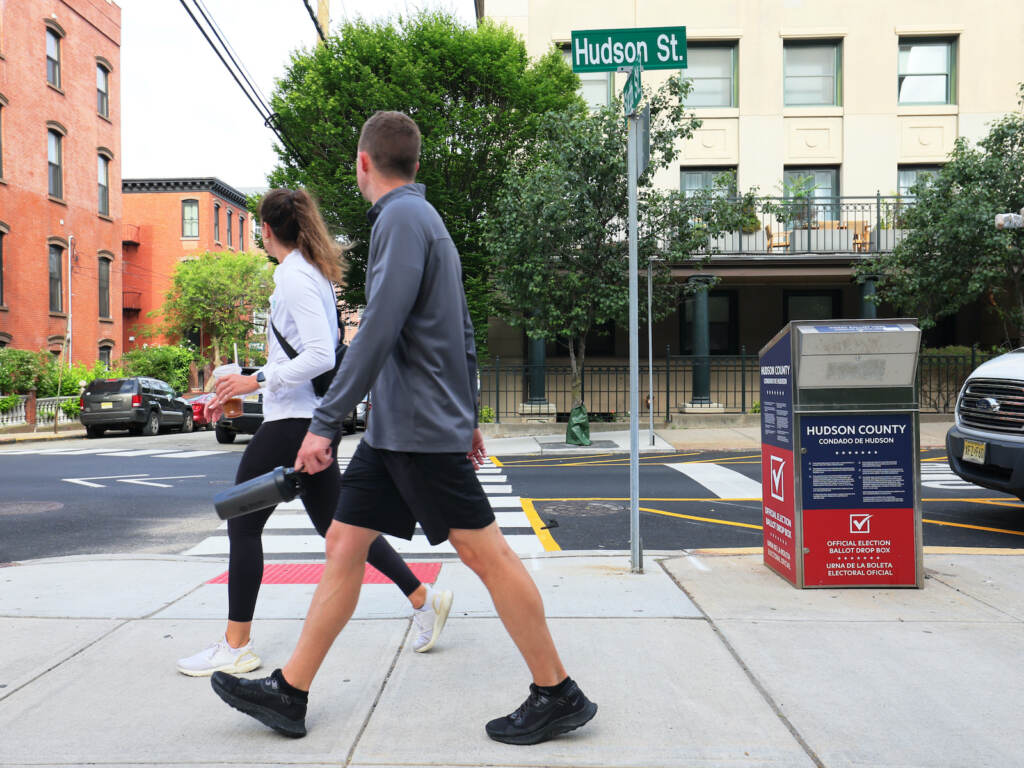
[(839, 454)]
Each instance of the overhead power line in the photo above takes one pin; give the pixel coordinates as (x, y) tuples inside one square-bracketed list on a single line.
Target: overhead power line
[(316, 21), (240, 75)]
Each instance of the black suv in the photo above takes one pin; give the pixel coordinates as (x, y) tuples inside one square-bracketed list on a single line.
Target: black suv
[(140, 404), (252, 416)]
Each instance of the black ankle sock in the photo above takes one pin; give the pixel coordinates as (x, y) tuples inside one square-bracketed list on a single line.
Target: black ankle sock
[(287, 687), (555, 690)]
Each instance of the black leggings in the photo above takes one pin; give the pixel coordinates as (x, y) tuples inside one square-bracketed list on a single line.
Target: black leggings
[(275, 444)]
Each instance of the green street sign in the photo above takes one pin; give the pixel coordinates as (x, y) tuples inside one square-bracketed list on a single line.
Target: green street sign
[(607, 50), (633, 91)]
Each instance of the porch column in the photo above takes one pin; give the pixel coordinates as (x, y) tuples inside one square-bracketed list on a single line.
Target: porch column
[(868, 308), (536, 361), (701, 342)]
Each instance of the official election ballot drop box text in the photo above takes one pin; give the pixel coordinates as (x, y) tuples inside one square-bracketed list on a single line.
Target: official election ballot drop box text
[(839, 454)]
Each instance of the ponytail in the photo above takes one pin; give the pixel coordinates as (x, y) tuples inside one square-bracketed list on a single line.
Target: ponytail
[(295, 218)]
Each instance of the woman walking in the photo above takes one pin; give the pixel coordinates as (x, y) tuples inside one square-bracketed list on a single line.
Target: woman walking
[(303, 311)]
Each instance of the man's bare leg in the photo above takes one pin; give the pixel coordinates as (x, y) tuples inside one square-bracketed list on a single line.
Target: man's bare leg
[(515, 597), (333, 601)]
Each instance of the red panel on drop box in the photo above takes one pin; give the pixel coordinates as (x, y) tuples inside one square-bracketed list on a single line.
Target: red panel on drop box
[(856, 547)]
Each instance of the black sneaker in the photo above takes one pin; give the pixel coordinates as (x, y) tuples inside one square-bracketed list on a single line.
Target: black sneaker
[(264, 700), (542, 717)]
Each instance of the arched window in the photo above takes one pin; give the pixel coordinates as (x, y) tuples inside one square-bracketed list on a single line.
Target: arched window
[(229, 228), (55, 134), (57, 246), (103, 69), (216, 222), (54, 36), (103, 158), (103, 270)]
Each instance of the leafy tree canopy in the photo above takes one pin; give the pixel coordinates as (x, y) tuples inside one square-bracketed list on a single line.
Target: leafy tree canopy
[(168, 363), (473, 92), (217, 292), (559, 234), (953, 255)]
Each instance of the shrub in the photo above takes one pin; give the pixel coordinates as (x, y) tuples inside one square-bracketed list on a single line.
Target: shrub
[(167, 363), (19, 370), (756, 407), (69, 378), (8, 402), (486, 415)]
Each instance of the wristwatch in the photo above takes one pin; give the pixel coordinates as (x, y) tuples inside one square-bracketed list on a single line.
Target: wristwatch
[(261, 379)]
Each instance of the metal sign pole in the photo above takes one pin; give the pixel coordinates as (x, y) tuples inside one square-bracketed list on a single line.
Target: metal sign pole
[(636, 555)]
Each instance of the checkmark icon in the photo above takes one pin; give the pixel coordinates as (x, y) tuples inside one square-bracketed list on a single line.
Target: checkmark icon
[(860, 523), (777, 471)]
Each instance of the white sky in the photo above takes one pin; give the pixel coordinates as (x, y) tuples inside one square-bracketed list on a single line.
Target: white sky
[(183, 115)]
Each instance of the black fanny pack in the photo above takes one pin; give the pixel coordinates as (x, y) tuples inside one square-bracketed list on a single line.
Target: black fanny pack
[(322, 382)]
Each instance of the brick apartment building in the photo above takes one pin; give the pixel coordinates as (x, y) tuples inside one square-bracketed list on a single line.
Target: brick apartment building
[(167, 221), (60, 177)]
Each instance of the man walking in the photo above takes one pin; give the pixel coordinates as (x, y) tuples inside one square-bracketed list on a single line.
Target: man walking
[(417, 462)]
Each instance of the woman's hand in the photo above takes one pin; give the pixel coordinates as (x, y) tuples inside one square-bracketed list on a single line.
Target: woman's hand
[(234, 385)]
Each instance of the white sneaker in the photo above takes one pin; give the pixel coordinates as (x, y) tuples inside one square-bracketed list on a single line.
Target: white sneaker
[(220, 657), (429, 621)]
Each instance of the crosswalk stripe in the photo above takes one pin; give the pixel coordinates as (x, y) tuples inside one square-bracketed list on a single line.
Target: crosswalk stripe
[(722, 481), (189, 454), (523, 544), (300, 522)]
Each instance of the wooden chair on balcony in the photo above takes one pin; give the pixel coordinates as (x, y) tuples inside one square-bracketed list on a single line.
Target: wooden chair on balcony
[(861, 236), (780, 240)]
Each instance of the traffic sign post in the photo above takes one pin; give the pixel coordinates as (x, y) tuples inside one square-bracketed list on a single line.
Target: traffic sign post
[(632, 50)]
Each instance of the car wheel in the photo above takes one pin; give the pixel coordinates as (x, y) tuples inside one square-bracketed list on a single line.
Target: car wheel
[(152, 424), (94, 431), (186, 426), (224, 435)]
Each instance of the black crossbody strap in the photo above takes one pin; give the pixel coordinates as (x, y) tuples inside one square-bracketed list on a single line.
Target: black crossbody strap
[(288, 348)]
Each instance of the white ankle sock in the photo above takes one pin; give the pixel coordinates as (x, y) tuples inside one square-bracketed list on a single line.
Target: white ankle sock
[(428, 599)]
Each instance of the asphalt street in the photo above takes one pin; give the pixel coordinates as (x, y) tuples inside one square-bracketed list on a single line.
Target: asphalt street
[(123, 494)]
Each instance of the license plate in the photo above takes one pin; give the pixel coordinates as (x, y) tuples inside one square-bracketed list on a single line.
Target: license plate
[(106, 405), (974, 451), (253, 398)]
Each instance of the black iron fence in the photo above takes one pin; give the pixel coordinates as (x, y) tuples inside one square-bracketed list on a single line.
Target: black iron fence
[(505, 387), (818, 225)]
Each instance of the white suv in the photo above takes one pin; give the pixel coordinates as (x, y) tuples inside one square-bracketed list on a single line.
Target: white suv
[(986, 444)]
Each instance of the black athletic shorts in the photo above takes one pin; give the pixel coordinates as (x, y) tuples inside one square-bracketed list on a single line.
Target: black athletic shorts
[(391, 491)]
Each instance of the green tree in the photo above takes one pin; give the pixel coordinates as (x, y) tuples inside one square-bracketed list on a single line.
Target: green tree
[(559, 234), (953, 255), (471, 89), (20, 370), (168, 363), (217, 292)]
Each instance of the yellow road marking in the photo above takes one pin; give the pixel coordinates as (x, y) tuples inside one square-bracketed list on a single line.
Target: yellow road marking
[(995, 502), (701, 519), (537, 461), (626, 498), (974, 527), (495, 462), (732, 458), (550, 545), (592, 462)]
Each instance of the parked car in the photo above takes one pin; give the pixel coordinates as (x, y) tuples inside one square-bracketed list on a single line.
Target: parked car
[(252, 416), (198, 403), (139, 404), (985, 446)]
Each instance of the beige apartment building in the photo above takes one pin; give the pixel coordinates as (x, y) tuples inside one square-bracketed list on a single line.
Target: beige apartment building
[(855, 100)]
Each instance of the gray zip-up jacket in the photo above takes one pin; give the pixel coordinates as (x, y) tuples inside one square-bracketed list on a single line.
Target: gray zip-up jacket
[(415, 347)]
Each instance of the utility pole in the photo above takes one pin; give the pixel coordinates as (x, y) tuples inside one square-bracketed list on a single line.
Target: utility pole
[(323, 16)]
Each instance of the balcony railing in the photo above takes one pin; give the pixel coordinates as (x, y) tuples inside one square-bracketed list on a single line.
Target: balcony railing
[(782, 226)]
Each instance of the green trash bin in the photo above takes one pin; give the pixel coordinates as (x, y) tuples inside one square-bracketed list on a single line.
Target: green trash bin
[(578, 430)]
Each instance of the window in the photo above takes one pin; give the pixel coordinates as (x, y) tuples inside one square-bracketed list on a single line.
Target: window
[(102, 90), (190, 218), (2, 267), (811, 74), (712, 69), (241, 233), (811, 305), (53, 58), (56, 278), (54, 155), (819, 186), (722, 324), (909, 175), (926, 71), (103, 184), (216, 222), (104, 355), (229, 227), (104, 281), (693, 180), (595, 87), (3, 103)]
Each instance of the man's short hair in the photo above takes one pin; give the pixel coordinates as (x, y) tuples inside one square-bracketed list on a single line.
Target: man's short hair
[(392, 141)]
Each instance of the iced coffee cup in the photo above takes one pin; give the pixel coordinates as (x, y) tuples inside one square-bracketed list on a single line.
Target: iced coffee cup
[(232, 407)]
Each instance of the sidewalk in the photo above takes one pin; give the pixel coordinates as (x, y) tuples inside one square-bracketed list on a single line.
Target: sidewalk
[(705, 659)]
